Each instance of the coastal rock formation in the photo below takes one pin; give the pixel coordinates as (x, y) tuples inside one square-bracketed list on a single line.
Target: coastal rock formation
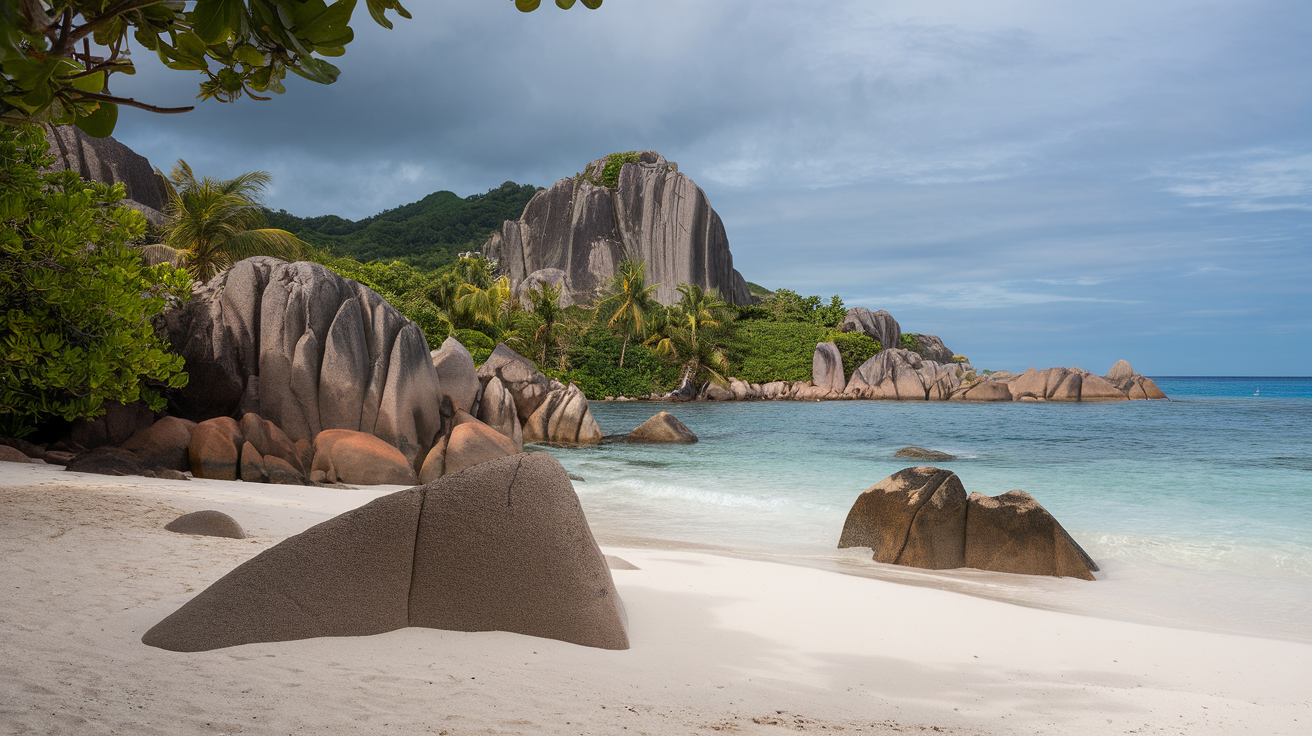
[(827, 367), (503, 546), (213, 450), (901, 374), (472, 443), (207, 524), (340, 356), (655, 214), (931, 347), (547, 411), (920, 453), (163, 444), (663, 428), (11, 455), (456, 374), (1013, 533), (563, 418), (107, 461), (346, 456), (497, 410), (921, 517), (915, 517), (880, 326), (1133, 385), (268, 439), (114, 427), (110, 162)]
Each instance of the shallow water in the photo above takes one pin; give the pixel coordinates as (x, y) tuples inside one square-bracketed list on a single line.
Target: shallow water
[(1199, 509)]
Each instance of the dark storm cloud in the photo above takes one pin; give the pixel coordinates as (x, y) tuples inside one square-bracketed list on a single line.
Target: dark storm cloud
[(1039, 182)]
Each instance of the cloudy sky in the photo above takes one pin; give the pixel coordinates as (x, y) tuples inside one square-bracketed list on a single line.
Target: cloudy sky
[(1040, 183)]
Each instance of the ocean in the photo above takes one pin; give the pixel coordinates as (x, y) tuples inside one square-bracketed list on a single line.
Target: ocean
[(1198, 509)]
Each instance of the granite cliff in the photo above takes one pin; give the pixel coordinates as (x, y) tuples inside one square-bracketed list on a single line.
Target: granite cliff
[(584, 229)]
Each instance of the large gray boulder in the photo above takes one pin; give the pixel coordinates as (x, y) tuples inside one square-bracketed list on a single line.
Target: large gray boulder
[(880, 326), (655, 214), (339, 356), (1013, 533), (456, 374), (931, 347), (526, 384), (110, 162), (497, 410), (563, 418), (827, 367), (905, 376), (535, 280), (502, 546)]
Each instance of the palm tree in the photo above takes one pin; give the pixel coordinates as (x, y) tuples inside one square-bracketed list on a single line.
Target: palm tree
[(700, 307), (545, 306), (678, 333), (631, 299), (215, 223)]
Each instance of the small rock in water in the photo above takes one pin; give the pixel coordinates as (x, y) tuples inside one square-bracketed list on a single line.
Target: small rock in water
[(920, 453), (576, 477)]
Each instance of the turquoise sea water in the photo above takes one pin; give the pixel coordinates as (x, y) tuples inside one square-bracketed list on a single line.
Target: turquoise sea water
[(1198, 509)]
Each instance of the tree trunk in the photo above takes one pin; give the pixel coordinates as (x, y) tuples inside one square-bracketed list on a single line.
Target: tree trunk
[(623, 349)]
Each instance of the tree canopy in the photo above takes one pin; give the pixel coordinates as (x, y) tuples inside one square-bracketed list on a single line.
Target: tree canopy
[(57, 56)]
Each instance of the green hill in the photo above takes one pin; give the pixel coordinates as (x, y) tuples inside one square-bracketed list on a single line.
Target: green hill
[(426, 234)]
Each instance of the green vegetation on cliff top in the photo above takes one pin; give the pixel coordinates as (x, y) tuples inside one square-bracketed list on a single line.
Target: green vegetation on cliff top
[(427, 234)]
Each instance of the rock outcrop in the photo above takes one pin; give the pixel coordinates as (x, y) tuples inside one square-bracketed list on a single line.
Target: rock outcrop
[(535, 280), (827, 367), (1133, 385), (655, 214), (880, 326), (339, 356), (207, 523), (163, 444), (931, 347), (547, 410), (497, 410), (12, 455), (213, 452), (921, 517), (346, 456), (903, 375), (473, 443), (920, 453), (503, 546), (663, 428), (108, 161), (456, 374)]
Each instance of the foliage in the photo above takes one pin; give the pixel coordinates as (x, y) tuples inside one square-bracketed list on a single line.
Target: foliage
[(403, 286), (595, 366), (57, 56), (760, 351), (855, 348), (528, 6), (215, 223), (76, 301), (428, 234), (758, 291), (786, 305), (610, 173), (959, 358), (629, 303), (908, 342), (547, 310)]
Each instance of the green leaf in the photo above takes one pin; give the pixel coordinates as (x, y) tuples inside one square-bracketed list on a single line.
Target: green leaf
[(564, 4), (90, 83), (214, 20), (330, 25), (316, 70), (592, 4), (527, 6), (249, 55), (100, 123)]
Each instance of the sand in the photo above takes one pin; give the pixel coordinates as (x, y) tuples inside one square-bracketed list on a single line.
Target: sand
[(719, 644)]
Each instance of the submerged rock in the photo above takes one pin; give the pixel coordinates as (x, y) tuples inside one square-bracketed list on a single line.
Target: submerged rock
[(920, 453)]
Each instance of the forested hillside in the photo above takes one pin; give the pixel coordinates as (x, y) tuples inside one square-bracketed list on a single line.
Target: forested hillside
[(426, 234)]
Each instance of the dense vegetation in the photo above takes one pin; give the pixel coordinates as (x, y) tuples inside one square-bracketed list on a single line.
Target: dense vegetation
[(427, 234), (76, 299)]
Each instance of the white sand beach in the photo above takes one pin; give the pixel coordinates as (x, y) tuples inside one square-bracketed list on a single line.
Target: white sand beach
[(719, 644)]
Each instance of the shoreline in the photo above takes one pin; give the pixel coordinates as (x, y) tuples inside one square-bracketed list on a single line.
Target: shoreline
[(719, 643)]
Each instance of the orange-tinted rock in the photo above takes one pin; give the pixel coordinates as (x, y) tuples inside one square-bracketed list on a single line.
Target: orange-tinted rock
[(213, 450), (163, 444), (252, 465), (434, 463), (346, 456), (472, 443)]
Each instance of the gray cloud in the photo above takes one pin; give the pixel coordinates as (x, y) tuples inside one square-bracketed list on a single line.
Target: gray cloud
[(1041, 183)]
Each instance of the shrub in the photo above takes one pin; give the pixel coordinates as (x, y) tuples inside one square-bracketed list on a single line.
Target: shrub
[(610, 174), (76, 300), (771, 351), (856, 348), (909, 342), (594, 365)]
